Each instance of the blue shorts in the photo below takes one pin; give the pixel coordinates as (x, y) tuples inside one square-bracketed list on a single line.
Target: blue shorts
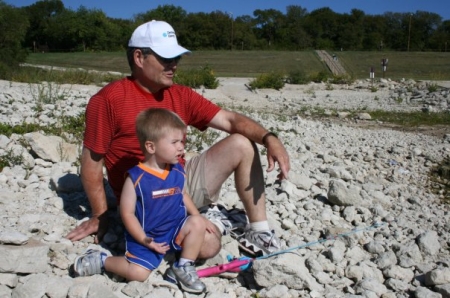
[(147, 258)]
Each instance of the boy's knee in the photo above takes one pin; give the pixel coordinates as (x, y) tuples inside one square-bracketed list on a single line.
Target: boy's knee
[(138, 275), (198, 221), (211, 245)]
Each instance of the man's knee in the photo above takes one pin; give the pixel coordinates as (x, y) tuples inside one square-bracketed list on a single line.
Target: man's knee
[(241, 141), (211, 245)]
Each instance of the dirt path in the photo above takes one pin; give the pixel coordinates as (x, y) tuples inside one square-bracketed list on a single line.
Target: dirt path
[(332, 62)]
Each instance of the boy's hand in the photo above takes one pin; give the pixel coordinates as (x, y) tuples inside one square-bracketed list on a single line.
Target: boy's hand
[(210, 227), (161, 248)]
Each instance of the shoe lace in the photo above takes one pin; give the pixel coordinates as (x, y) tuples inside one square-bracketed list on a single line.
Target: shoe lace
[(268, 238), (189, 269)]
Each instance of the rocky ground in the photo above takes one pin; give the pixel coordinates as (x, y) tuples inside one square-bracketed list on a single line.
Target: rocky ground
[(357, 214)]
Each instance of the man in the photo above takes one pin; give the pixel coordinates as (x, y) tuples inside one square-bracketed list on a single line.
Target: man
[(153, 54)]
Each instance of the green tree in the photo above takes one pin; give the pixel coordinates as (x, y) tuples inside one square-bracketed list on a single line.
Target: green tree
[(374, 36), (421, 27), (62, 31), (397, 33), (296, 38), (322, 25), (13, 32), (222, 33), (268, 22), (350, 33), (126, 28), (174, 15), (40, 15), (440, 39), (244, 37)]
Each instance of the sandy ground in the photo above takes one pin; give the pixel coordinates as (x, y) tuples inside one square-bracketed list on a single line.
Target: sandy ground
[(234, 92)]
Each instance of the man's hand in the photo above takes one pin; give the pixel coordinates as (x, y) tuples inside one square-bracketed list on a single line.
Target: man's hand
[(95, 225), (277, 153)]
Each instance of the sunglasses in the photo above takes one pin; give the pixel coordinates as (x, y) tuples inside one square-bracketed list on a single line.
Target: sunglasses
[(167, 60)]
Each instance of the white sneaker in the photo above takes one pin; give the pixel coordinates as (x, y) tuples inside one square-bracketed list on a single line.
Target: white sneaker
[(259, 242), (226, 220), (186, 276), (89, 263)]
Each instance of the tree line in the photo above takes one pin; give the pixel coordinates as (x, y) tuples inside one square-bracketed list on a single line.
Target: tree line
[(48, 25)]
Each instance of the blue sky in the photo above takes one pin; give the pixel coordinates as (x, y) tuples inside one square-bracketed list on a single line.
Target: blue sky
[(126, 9)]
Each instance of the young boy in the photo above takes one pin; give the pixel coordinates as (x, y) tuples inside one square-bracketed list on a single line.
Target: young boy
[(154, 208)]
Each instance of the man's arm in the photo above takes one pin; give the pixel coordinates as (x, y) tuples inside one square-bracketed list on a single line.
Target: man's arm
[(92, 179), (232, 122)]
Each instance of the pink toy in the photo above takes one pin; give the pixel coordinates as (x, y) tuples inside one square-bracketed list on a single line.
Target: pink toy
[(235, 265)]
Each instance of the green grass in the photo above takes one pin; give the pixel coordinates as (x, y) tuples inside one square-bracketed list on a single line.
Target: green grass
[(104, 61), (412, 119), (254, 63), (224, 63), (409, 65), (72, 76)]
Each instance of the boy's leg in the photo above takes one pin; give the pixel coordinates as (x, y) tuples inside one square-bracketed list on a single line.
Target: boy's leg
[(96, 262), (122, 267), (191, 236)]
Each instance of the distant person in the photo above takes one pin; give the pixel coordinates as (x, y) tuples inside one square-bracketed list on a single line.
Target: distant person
[(153, 55), (154, 208)]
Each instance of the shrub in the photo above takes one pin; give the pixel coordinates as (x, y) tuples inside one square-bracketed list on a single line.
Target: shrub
[(432, 87), (319, 77), (9, 159), (341, 79), (195, 78), (297, 77), (271, 80)]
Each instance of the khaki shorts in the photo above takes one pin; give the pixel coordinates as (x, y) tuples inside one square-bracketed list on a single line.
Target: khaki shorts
[(195, 181)]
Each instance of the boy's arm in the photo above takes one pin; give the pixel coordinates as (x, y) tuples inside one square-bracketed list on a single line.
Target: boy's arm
[(127, 212), (192, 210), (131, 223), (190, 207)]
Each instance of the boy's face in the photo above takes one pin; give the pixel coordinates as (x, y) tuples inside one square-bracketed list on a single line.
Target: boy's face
[(170, 148)]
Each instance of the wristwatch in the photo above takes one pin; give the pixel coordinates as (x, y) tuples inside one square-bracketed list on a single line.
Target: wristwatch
[(264, 138)]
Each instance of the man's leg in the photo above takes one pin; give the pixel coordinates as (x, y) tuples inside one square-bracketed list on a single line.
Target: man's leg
[(236, 154)]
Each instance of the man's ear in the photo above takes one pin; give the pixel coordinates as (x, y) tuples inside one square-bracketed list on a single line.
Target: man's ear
[(138, 57), (150, 147)]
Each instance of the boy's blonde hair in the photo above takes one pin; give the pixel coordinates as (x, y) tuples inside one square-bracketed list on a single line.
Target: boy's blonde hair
[(152, 124)]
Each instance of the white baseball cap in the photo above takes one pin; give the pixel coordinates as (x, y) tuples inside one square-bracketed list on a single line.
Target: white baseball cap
[(158, 36)]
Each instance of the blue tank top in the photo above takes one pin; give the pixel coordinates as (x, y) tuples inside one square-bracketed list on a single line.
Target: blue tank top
[(159, 203)]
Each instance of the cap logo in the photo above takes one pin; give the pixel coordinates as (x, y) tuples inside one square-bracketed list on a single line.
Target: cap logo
[(169, 34)]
